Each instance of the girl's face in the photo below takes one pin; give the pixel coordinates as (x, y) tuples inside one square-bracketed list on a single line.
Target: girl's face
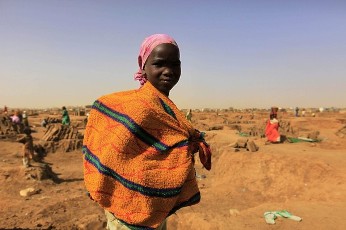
[(162, 67)]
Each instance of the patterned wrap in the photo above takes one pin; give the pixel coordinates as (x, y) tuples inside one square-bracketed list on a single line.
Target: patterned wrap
[(138, 157)]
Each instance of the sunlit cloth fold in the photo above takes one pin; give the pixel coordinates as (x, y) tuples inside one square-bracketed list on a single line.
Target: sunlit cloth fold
[(138, 157)]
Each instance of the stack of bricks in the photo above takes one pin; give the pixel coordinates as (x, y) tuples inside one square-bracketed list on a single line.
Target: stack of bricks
[(62, 138)]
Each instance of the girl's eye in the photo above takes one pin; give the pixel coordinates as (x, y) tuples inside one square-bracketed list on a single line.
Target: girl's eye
[(157, 64)]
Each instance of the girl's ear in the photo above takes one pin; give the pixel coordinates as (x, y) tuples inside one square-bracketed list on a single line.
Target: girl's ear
[(140, 65)]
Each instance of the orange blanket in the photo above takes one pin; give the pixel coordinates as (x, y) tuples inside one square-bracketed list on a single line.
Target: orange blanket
[(138, 157)]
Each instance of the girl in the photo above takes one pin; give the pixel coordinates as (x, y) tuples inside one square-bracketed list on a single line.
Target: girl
[(139, 148)]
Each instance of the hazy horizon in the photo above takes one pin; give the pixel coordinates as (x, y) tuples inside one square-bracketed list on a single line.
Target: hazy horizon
[(240, 54), (328, 108)]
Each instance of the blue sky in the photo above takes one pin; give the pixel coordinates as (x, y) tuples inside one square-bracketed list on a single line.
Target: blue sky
[(234, 53)]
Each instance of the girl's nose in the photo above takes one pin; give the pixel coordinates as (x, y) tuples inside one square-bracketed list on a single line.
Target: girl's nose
[(168, 71)]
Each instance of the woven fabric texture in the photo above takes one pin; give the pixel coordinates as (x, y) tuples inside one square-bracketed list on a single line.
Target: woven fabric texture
[(138, 161)]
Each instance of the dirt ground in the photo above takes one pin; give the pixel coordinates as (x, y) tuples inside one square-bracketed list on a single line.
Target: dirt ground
[(306, 179)]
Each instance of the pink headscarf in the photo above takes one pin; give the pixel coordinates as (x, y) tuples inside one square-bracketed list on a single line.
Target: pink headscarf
[(146, 48)]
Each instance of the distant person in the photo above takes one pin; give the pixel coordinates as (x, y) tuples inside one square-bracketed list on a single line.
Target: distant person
[(44, 122), (28, 148), (15, 118), (16, 122), (297, 111), (25, 120), (273, 113), (272, 127), (5, 110), (189, 115), (20, 115), (303, 113), (86, 119), (139, 148), (65, 116)]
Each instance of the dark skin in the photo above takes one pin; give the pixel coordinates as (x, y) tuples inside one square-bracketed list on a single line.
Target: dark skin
[(162, 67)]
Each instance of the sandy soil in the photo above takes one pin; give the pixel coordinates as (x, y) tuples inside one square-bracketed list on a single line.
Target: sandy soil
[(307, 179)]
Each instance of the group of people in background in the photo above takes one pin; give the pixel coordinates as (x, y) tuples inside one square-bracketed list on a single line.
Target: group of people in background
[(20, 124), (19, 120)]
